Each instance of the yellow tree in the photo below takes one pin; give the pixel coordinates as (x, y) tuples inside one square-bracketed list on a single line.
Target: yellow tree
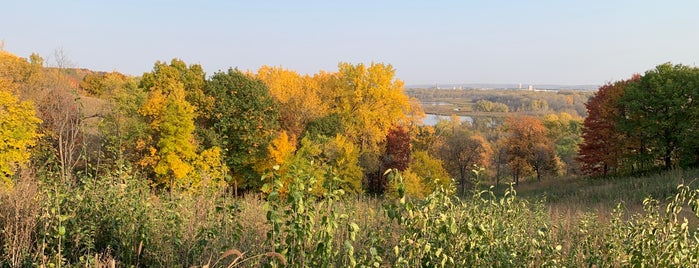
[(171, 119), (370, 101), (425, 174), (296, 96), (18, 132)]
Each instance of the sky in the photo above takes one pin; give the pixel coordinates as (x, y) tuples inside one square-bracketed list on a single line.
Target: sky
[(565, 42)]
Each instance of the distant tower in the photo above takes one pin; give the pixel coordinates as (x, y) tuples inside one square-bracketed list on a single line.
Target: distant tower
[(520, 85), (531, 87)]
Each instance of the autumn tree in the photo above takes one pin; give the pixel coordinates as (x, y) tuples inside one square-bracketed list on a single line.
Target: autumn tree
[(97, 84), (425, 174), (602, 149), (125, 131), (63, 141), (528, 148), (461, 151), (324, 158), (370, 101), (564, 130), (297, 98), (244, 120), (172, 145), (395, 156), (18, 132), (489, 106)]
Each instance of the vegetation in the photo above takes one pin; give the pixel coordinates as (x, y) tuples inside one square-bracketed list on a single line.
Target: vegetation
[(335, 169), (643, 124)]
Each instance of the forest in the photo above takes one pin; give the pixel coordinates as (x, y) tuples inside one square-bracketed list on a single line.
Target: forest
[(272, 168)]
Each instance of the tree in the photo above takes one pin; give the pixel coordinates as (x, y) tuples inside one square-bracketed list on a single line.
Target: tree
[(124, 129), (18, 132), (245, 120), (527, 147), (24, 78), (461, 152), (660, 109), (424, 174), (297, 98), (396, 156), (62, 117), (369, 101), (564, 131), (173, 148), (544, 160), (97, 84), (603, 146)]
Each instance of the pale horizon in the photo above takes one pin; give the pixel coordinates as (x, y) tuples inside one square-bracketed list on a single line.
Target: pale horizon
[(436, 42)]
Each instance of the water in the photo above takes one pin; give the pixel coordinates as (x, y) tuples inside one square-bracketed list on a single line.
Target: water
[(434, 103), (432, 119)]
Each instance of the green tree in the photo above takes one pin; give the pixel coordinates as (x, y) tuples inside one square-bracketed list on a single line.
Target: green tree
[(245, 120), (124, 129), (660, 109), (564, 131)]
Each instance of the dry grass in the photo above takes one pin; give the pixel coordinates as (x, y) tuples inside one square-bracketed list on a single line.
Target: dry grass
[(19, 209)]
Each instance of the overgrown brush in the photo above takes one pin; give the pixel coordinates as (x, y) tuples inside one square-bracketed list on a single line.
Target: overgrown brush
[(118, 220)]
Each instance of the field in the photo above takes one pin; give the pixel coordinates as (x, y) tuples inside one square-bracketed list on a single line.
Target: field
[(118, 220)]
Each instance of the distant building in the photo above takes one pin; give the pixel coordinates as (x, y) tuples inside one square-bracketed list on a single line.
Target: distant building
[(531, 87)]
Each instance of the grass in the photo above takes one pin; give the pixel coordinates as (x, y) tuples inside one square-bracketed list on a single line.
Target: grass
[(586, 193), (556, 222)]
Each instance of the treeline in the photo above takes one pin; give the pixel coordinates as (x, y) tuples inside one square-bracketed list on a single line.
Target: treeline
[(541, 102), (182, 130), (648, 122)]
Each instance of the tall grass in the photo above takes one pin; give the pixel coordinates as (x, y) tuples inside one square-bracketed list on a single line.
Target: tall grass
[(118, 220)]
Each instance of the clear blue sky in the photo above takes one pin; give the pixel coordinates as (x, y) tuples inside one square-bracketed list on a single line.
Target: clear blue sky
[(539, 42)]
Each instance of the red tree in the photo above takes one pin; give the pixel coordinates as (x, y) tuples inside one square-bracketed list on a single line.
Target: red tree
[(397, 149), (602, 148)]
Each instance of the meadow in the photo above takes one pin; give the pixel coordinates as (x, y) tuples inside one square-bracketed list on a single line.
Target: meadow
[(118, 221)]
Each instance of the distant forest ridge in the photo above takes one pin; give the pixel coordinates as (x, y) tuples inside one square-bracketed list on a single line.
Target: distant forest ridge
[(505, 86)]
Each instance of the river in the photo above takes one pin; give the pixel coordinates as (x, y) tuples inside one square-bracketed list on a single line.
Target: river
[(432, 119)]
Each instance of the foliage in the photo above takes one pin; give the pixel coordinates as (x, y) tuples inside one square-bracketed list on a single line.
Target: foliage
[(602, 149), (424, 175), (191, 77), (460, 152), (97, 84), (564, 132), (397, 155), (369, 101), (489, 106), (643, 123), (659, 111), (328, 126), (297, 97), (245, 120), (528, 148), (124, 130), (171, 120), (18, 133)]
